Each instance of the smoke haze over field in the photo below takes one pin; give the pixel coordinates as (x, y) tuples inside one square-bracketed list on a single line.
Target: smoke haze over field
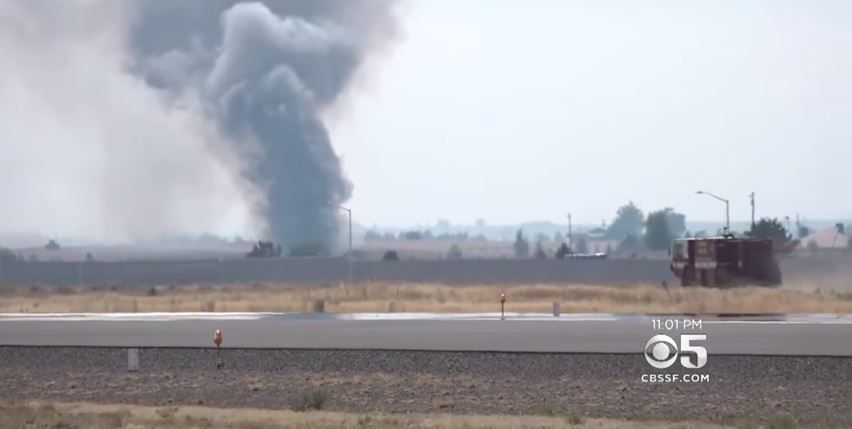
[(149, 119)]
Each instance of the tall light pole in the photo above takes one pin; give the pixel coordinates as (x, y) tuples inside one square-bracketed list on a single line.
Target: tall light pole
[(349, 212), (570, 234), (798, 227), (751, 196), (349, 252), (727, 208)]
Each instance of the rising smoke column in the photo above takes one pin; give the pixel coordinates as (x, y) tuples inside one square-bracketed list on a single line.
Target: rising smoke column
[(89, 150), (266, 73)]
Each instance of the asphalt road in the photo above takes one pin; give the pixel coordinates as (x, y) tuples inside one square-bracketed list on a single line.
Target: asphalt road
[(794, 336)]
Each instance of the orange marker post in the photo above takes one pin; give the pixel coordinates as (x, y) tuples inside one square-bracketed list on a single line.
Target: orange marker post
[(217, 339), (502, 306)]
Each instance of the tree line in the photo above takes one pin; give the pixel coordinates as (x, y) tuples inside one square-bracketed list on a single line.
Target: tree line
[(635, 232)]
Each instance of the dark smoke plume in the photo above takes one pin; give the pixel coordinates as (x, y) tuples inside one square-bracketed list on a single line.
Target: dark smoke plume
[(266, 72)]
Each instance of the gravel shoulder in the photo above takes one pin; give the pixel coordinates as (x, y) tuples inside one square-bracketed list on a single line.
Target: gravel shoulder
[(810, 389)]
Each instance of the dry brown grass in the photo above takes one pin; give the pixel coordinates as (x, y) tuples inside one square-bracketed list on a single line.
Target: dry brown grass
[(86, 416), (377, 297)]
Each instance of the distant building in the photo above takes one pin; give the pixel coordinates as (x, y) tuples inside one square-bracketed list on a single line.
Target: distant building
[(829, 238)]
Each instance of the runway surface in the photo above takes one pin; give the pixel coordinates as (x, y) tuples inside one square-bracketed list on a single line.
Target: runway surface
[(794, 335)]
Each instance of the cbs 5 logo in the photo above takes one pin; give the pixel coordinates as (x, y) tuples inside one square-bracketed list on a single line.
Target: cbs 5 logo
[(661, 351)]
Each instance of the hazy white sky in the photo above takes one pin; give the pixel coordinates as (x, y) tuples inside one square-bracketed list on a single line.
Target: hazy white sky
[(524, 110)]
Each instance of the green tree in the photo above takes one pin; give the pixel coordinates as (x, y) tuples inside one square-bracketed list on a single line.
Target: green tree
[(539, 251), (563, 251), (677, 222), (658, 233), (771, 229), (628, 221), (521, 246), (558, 237)]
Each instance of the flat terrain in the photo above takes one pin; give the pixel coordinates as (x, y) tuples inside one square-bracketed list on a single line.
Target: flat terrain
[(425, 297), (95, 416), (811, 389), (805, 335), (456, 385)]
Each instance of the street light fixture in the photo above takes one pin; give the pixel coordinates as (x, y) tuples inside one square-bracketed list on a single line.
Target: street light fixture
[(727, 208)]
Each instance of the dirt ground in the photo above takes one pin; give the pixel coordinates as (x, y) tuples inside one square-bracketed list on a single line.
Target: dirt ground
[(99, 416), (426, 297), (811, 390)]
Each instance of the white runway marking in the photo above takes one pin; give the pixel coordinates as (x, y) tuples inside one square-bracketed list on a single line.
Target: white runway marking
[(537, 317), (129, 317), (137, 317)]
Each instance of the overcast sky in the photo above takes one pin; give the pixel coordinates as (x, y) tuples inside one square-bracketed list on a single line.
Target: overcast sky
[(506, 110), (524, 110)]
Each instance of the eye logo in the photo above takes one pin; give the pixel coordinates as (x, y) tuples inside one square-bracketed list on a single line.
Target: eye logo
[(661, 351)]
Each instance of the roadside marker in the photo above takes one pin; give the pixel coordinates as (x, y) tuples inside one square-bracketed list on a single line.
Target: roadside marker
[(133, 360), (217, 339)]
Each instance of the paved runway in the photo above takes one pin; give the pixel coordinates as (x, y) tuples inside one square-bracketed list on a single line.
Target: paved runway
[(816, 335)]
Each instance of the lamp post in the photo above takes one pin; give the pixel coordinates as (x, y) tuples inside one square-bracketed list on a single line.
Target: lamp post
[(349, 212), (349, 252), (751, 197), (727, 208), (570, 234)]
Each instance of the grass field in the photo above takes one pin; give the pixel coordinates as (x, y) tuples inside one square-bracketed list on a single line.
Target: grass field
[(91, 416), (420, 297)]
